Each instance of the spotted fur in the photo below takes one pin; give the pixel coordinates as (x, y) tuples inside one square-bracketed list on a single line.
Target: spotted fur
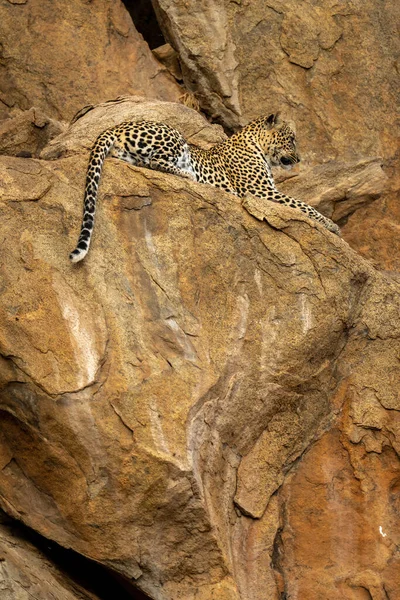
[(240, 165)]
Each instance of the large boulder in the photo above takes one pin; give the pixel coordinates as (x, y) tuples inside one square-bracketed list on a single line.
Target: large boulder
[(84, 130), (207, 405)]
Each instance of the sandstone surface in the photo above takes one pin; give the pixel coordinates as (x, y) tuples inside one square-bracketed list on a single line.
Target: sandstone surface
[(26, 573), (82, 133), (374, 232), (59, 58), (27, 133), (332, 66), (165, 403), (337, 189)]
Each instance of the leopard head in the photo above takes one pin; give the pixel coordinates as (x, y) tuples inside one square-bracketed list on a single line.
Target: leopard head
[(276, 139)]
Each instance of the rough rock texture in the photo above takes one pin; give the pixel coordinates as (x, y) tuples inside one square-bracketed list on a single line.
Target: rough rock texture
[(25, 573), (166, 55), (330, 65), (59, 59), (27, 133), (335, 188), (95, 119), (208, 404), (200, 32), (374, 232)]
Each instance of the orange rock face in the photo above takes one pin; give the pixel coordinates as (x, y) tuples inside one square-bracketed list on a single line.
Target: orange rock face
[(339, 533), (207, 405), (374, 232), (26, 572), (59, 59), (27, 133)]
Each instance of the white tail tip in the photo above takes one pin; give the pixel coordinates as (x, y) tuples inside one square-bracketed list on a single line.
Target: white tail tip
[(77, 255)]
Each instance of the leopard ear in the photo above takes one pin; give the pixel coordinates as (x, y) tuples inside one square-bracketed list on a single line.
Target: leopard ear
[(272, 120)]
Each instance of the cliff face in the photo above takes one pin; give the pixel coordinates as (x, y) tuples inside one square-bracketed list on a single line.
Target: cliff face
[(331, 66), (204, 392), (208, 405)]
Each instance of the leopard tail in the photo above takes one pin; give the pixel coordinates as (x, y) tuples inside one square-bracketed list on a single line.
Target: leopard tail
[(101, 148)]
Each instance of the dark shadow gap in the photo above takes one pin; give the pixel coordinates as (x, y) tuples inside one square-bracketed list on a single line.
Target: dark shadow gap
[(145, 21), (81, 571)]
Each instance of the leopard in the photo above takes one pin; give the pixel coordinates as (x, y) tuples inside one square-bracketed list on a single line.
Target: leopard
[(241, 164)]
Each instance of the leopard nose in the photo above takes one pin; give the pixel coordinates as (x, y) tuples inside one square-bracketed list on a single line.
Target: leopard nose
[(298, 158)]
